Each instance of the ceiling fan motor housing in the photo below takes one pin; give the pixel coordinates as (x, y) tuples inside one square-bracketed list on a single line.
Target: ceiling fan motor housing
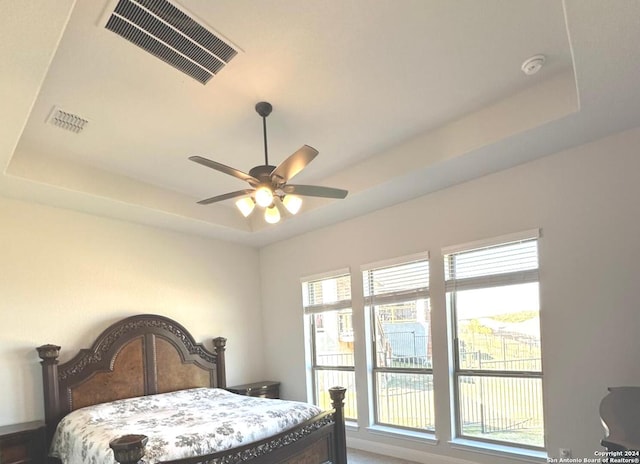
[(262, 173)]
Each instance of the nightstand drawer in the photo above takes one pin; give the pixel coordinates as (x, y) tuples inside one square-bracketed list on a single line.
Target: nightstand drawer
[(265, 389), (22, 443)]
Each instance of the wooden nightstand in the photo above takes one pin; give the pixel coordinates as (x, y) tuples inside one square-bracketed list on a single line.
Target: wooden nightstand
[(264, 389), (23, 443)]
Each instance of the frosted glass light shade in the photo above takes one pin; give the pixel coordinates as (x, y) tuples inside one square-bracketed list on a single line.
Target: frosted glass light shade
[(292, 203), (245, 205), (264, 196), (272, 215)]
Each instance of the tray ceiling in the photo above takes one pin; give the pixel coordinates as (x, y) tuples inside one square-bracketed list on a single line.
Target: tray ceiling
[(400, 98)]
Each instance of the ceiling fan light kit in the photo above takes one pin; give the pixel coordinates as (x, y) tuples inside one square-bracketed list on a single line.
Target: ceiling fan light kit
[(246, 205), (270, 182), (264, 196), (272, 215), (292, 203)]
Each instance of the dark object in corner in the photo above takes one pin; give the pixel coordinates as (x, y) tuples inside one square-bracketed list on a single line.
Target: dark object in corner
[(263, 389), (22, 443), (620, 415)]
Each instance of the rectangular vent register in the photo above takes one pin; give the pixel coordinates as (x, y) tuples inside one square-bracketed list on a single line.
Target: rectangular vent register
[(167, 32)]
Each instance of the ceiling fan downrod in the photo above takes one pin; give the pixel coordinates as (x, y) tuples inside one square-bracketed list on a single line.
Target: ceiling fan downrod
[(264, 109)]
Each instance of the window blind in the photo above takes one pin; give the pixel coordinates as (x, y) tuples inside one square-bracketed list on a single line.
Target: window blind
[(332, 293), (398, 283), (505, 264)]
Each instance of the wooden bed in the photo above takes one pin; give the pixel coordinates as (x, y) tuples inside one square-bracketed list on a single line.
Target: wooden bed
[(149, 354)]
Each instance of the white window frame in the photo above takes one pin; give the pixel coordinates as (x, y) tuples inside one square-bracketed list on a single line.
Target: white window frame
[(310, 311), (390, 298), (495, 280)]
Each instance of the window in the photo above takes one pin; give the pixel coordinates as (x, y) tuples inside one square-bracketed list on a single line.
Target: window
[(397, 301), (327, 307), (493, 299)]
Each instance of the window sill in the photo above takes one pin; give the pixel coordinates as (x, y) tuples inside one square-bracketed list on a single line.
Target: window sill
[(421, 437), (504, 451), (351, 426)]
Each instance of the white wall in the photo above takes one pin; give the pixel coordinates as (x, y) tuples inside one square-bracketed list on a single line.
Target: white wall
[(584, 200), (66, 276)]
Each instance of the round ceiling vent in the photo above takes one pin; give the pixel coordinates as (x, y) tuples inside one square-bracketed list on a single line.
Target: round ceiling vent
[(533, 65)]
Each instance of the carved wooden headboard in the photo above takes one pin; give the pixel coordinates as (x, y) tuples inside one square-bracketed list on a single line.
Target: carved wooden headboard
[(137, 356)]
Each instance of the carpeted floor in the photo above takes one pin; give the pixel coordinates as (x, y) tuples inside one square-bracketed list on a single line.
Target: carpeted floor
[(355, 456)]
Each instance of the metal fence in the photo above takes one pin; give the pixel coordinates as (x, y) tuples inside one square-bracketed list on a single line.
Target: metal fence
[(405, 400), (325, 379), (500, 351), (481, 360), (404, 349), (491, 406), (335, 359)]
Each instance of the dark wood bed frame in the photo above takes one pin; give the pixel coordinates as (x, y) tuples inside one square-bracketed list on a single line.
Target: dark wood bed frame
[(148, 354)]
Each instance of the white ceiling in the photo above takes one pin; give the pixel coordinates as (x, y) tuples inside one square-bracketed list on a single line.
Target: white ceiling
[(401, 98)]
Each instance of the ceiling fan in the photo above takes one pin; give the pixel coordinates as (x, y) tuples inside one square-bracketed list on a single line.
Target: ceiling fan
[(269, 183)]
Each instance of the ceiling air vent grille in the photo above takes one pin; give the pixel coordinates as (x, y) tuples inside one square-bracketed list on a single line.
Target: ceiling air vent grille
[(65, 120), (168, 33)]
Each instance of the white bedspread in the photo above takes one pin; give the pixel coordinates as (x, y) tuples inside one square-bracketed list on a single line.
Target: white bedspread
[(178, 424)]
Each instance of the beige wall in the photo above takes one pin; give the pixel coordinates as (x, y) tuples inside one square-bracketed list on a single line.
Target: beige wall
[(65, 276), (585, 201)]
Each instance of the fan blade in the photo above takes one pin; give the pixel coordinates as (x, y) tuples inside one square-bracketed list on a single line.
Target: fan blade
[(294, 164), (226, 196), (226, 169), (315, 191)]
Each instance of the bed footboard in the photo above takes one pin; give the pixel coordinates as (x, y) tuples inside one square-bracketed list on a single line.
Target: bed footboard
[(317, 441)]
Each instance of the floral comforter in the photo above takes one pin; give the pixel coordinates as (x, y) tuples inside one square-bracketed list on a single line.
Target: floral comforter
[(178, 424)]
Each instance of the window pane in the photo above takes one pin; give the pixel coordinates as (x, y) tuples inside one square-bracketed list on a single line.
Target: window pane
[(405, 400), (333, 335), (403, 334), (325, 379), (498, 328), (502, 409)]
